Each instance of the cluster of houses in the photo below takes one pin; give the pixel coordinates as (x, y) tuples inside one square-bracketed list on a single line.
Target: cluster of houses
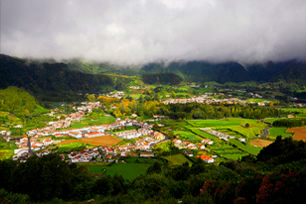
[(35, 145), (23, 150), (206, 158), (85, 155), (110, 154), (118, 94), (135, 87), (204, 99), (88, 106), (181, 144), (100, 130), (221, 135), (6, 134), (189, 146)]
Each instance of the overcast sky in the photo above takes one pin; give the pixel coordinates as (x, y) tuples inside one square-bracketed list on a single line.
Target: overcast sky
[(142, 31)]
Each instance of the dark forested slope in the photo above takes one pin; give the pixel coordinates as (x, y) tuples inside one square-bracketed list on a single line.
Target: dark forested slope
[(199, 71), (50, 81)]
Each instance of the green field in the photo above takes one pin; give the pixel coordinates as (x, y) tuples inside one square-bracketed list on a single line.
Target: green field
[(294, 110), (7, 150), (129, 170), (134, 95), (187, 135), (250, 132), (6, 153), (301, 91), (235, 124), (276, 131), (69, 146), (177, 159), (214, 123), (203, 134), (271, 120), (245, 147), (230, 132), (228, 152), (89, 122)]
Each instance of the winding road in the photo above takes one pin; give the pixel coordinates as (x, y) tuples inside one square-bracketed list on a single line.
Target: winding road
[(265, 131)]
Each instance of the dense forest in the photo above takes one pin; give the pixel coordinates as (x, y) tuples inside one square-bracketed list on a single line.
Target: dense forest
[(199, 71), (277, 175), (161, 78), (289, 122), (195, 110), (52, 82)]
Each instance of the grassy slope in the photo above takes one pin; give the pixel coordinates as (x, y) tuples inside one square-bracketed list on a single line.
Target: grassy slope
[(245, 147), (178, 159), (276, 131)]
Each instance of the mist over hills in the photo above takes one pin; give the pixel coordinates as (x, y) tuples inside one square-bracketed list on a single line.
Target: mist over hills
[(53, 80), (198, 71)]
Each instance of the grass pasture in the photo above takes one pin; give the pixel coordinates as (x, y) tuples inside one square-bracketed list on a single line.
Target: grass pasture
[(7, 150), (300, 112), (187, 135), (6, 153), (63, 147), (203, 134), (89, 122), (214, 123), (245, 147), (235, 126), (276, 131), (133, 168), (177, 159), (228, 152)]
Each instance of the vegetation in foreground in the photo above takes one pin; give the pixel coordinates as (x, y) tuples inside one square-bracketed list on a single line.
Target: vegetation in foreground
[(276, 175)]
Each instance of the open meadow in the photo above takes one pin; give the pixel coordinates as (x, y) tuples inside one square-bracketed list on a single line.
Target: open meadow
[(276, 131), (235, 126), (228, 152), (245, 147), (187, 135), (131, 169), (177, 159), (97, 141), (91, 122)]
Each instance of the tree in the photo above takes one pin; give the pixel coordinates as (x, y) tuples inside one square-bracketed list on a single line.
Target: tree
[(91, 98), (247, 125)]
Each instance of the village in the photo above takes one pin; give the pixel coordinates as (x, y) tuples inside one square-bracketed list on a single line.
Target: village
[(37, 141), (142, 131)]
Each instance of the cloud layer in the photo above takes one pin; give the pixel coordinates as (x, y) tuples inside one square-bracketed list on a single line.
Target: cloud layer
[(142, 31)]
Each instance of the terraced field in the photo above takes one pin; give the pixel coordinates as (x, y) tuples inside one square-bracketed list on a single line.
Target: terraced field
[(245, 147), (187, 135), (276, 131), (228, 152)]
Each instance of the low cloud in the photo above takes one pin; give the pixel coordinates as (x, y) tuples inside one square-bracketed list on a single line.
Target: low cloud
[(143, 31)]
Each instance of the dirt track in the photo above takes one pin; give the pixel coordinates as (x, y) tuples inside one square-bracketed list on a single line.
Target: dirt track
[(299, 133), (103, 141), (260, 142)]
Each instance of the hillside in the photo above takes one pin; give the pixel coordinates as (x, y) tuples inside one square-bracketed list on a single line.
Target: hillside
[(51, 82), (15, 100), (198, 71), (161, 78)]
